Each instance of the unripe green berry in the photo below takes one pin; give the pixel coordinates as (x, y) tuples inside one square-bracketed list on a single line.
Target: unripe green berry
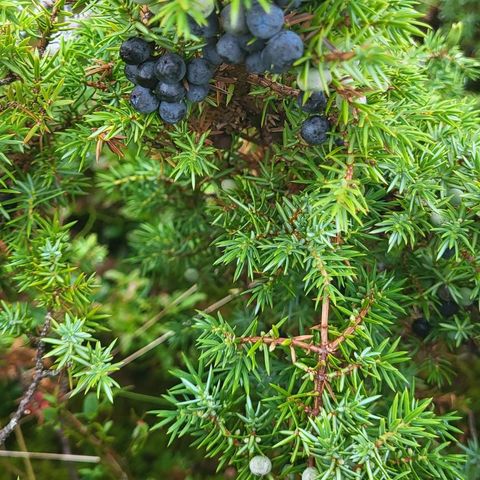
[(310, 473), (206, 7), (465, 299), (260, 465), (314, 81), (437, 219), (191, 275), (456, 196), (228, 184)]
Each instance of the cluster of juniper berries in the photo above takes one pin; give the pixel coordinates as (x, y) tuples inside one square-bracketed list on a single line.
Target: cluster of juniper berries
[(254, 37)]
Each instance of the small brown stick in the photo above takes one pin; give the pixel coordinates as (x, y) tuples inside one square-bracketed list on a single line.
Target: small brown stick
[(40, 373), (276, 87)]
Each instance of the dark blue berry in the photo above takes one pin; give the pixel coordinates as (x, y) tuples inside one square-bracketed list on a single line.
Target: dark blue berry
[(143, 100), (131, 72), (282, 51), (421, 327), (199, 71), (264, 24), (135, 51), (172, 112), (314, 130), (170, 92), (146, 74), (210, 53), (448, 253), (197, 93), (254, 63), (315, 103), (206, 31), (170, 68), (448, 308), (250, 44), (229, 50)]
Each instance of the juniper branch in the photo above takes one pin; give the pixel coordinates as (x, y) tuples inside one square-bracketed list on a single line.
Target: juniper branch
[(39, 373)]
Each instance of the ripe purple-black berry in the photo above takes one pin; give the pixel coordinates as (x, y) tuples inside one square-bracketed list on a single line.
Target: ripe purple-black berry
[(172, 112), (250, 44), (210, 53), (229, 50), (315, 103), (143, 100), (197, 93), (282, 51), (146, 74), (135, 51), (170, 92), (448, 308), (199, 71), (131, 72), (448, 253), (170, 68), (264, 24), (421, 327), (314, 130), (254, 63), (206, 31)]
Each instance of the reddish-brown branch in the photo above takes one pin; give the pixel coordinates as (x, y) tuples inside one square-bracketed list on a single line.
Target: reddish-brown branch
[(333, 346), (344, 371), (276, 87), (294, 341), (320, 376)]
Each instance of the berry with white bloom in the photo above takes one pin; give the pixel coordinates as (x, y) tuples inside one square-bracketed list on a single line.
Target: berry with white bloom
[(314, 80), (310, 473), (260, 465)]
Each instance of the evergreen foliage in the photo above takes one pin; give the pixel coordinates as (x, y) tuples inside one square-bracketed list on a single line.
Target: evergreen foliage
[(119, 232)]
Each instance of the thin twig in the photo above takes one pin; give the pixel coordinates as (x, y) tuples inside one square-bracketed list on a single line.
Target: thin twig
[(333, 346), (67, 450), (10, 78), (50, 456), (293, 341), (39, 373), (320, 377), (147, 348), (214, 306), (111, 459), (276, 87), (23, 446), (163, 312)]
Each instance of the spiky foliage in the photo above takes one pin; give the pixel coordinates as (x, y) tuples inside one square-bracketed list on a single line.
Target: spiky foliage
[(324, 255)]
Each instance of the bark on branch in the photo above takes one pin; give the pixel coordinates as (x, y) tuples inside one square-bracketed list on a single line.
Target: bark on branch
[(39, 373)]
